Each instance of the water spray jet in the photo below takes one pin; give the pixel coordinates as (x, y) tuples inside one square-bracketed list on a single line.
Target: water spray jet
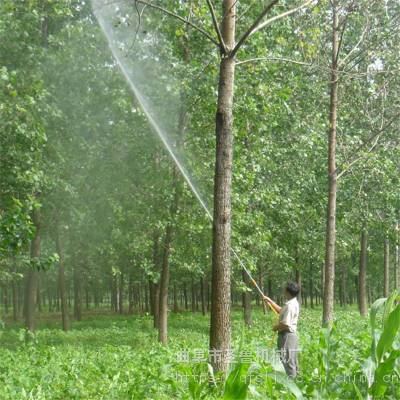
[(108, 30)]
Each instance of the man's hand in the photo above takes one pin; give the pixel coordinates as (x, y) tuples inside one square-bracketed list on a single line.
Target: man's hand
[(266, 298), (275, 327)]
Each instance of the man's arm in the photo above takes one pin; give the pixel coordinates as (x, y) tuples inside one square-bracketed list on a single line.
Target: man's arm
[(273, 304)]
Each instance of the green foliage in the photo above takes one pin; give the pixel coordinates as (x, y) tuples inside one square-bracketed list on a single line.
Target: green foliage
[(381, 367), (118, 357)]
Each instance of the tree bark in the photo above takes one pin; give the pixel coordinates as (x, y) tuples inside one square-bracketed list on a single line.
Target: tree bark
[(61, 282), (329, 286), (386, 269), (220, 326), (362, 284), (32, 279)]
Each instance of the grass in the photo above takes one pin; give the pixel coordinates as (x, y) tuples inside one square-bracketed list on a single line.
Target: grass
[(118, 357)]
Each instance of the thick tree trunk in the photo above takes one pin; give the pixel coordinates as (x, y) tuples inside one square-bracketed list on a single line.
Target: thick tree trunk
[(61, 283), (362, 287), (329, 287), (164, 281), (386, 269), (246, 300), (220, 326), (32, 279)]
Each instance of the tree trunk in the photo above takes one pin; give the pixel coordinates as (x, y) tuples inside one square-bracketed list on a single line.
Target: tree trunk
[(155, 291), (61, 283), (386, 269), (220, 325), (246, 300), (163, 307), (329, 286), (203, 296), (151, 297), (362, 288), (32, 279), (164, 281)]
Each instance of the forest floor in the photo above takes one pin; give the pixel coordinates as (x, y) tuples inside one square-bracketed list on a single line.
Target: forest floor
[(117, 357)]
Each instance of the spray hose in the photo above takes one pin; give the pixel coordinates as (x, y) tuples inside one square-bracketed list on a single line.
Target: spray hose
[(253, 281)]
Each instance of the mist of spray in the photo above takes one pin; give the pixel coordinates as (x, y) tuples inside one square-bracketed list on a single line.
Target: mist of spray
[(137, 51)]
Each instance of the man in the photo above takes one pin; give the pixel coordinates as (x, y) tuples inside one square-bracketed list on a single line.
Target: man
[(287, 328)]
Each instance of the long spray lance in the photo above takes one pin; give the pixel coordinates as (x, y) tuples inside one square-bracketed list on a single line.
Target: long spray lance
[(151, 118)]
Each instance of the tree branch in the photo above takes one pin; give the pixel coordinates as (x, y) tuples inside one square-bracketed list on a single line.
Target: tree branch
[(376, 136), (283, 15), (216, 27), (362, 37), (172, 14), (273, 59), (253, 26)]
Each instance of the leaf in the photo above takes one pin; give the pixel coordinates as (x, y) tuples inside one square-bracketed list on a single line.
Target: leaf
[(391, 328), (358, 392), (288, 383), (236, 385), (383, 371)]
